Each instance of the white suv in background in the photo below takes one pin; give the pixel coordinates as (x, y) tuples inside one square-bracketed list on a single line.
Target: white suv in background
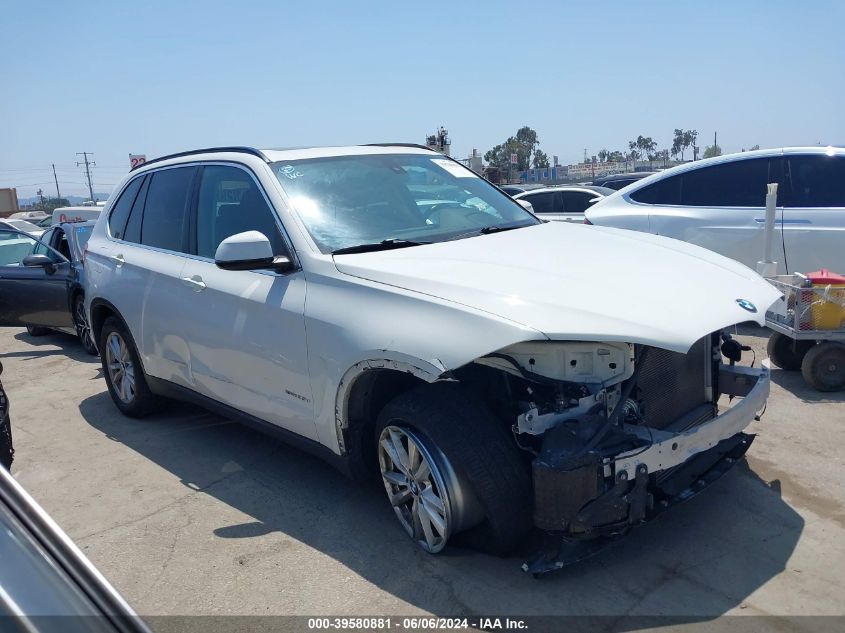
[(719, 204), (389, 310)]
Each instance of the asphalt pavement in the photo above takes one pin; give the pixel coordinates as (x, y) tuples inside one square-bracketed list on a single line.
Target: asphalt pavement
[(188, 513)]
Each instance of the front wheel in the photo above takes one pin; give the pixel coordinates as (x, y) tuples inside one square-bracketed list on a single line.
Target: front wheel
[(450, 467), (83, 330), (123, 371)]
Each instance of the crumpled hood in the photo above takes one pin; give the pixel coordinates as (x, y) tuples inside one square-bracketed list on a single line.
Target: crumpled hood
[(578, 282)]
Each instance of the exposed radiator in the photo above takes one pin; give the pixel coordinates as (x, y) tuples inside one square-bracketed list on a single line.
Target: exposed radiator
[(671, 385)]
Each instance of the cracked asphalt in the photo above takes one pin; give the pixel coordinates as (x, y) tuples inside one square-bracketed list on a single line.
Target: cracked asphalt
[(187, 513)]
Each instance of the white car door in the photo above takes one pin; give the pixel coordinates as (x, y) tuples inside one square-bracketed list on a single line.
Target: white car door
[(814, 213), (247, 328), (719, 207)]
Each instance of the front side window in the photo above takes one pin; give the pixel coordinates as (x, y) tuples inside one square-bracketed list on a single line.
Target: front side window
[(664, 191), (576, 201), (14, 247), (347, 201), (543, 202), (815, 181), (231, 202), (740, 183), (164, 209)]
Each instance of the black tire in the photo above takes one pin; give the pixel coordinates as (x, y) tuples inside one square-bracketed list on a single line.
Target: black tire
[(83, 330), (143, 400), (787, 353), (481, 450), (37, 330), (824, 366)]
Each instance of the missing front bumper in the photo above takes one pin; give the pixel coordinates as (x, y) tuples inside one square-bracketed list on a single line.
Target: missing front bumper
[(633, 503), (594, 500)]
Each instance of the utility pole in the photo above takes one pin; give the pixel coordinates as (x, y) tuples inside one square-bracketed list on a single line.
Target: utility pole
[(715, 144), (56, 178), (88, 164)]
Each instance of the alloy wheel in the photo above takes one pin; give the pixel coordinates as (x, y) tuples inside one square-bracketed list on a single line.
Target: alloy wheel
[(416, 487), (120, 367), (83, 330)]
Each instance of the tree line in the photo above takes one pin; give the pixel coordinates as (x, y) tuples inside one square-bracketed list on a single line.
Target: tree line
[(525, 144)]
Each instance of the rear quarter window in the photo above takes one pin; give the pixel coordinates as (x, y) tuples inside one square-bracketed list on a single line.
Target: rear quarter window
[(120, 212)]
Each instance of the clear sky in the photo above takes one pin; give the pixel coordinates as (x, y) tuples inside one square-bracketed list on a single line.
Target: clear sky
[(161, 76)]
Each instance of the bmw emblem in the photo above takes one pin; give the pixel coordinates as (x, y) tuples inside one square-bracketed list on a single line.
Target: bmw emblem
[(745, 304)]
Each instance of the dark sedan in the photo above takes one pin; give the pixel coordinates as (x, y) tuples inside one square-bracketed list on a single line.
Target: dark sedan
[(42, 280)]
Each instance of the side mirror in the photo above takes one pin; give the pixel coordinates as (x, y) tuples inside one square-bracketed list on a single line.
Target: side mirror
[(250, 250), (592, 201), (526, 205), (40, 260)]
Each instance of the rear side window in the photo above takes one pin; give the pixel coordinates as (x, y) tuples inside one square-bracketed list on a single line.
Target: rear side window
[(120, 213), (665, 191), (133, 225), (815, 181), (542, 202), (740, 183), (164, 209)]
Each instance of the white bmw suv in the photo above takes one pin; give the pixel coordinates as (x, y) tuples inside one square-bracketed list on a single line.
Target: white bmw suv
[(389, 310)]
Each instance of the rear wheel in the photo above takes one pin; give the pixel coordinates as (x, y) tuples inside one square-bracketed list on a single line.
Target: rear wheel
[(786, 352), (824, 366), (37, 330), (450, 467), (123, 371), (83, 330)]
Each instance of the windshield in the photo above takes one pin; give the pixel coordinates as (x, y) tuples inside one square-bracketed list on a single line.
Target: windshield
[(347, 201), (22, 225)]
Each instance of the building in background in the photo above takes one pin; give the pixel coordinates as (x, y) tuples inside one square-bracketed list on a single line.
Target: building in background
[(8, 202)]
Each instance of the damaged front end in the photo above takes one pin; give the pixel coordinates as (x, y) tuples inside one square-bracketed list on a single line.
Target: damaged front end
[(619, 432)]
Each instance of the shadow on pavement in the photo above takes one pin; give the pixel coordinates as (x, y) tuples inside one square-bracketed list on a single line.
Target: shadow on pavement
[(67, 344), (794, 382), (701, 560)]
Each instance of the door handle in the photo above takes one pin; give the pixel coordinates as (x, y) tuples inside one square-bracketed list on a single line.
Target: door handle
[(195, 283), (118, 260)]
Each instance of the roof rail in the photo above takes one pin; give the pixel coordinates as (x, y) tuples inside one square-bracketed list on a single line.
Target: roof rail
[(417, 145), (243, 150)]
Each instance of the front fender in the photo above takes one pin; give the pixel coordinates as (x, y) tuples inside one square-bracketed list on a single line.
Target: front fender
[(354, 325)]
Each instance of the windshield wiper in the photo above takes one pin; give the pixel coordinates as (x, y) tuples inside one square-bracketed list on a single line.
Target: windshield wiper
[(384, 245), (486, 230)]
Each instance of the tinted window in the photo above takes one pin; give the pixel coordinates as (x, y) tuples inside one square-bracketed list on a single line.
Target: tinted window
[(816, 181), (133, 225), (230, 202), (576, 201), (542, 202), (740, 183), (164, 210), (120, 212), (665, 191)]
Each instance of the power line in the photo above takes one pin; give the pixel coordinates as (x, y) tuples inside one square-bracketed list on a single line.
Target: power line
[(88, 164), (56, 178)]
